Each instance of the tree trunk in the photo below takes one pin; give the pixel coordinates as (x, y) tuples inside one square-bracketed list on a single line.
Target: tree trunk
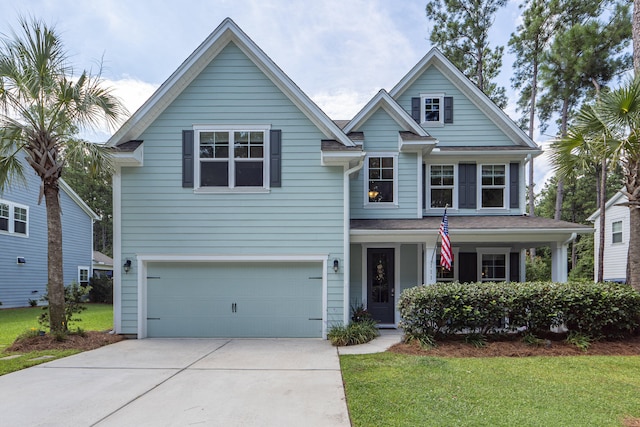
[(636, 36), (55, 285), (559, 199), (633, 189), (603, 203), (532, 117)]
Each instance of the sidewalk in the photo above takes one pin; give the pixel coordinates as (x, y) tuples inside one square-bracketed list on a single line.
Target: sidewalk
[(387, 338)]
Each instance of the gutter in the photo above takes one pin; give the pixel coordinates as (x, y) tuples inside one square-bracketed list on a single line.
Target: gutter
[(346, 268)]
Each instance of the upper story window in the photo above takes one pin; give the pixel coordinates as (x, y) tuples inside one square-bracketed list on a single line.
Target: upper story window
[(13, 218), (382, 177), (232, 158), (493, 185), (442, 185), (616, 232)]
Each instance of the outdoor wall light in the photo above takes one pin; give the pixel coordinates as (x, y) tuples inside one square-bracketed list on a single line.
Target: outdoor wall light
[(21, 260), (127, 266), (336, 265)]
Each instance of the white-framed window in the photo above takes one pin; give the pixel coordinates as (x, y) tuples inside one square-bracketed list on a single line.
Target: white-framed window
[(83, 276), (493, 264), (14, 218), (493, 181), (232, 157), (432, 108), (441, 186), (382, 179), (616, 232)]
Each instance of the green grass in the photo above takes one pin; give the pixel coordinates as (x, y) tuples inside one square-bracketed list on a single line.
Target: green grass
[(389, 389), (16, 321)]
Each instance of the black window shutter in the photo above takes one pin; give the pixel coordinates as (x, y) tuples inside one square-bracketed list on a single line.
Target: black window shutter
[(275, 154), (514, 185), (415, 109), (514, 267), (448, 109), (467, 186), (467, 267), (188, 158)]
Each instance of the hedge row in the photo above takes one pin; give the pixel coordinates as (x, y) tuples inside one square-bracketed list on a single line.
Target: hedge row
[(598, 310)]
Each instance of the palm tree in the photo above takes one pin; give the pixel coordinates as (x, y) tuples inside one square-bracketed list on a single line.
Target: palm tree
[(609, 131), (42, 104)]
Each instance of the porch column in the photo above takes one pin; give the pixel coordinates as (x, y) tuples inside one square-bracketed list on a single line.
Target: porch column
[(559, 262), (429, 263)]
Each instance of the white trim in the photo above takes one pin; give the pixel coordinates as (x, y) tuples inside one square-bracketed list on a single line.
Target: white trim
[(12, 218), (396, 167), (432, 123), (454, 189), (84, 267), (144, 259), (493, 251), (231, 160), (504, 187), (117, 250)]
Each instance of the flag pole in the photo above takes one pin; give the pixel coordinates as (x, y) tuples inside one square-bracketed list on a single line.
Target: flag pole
[(435, 247)]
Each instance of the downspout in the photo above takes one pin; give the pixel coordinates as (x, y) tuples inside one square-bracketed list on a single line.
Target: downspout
[(347, 238)]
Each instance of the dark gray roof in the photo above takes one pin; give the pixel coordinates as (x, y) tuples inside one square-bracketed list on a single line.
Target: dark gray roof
[(333, 145), (341, 123), (410, 136), (128, 146), (495, 222)]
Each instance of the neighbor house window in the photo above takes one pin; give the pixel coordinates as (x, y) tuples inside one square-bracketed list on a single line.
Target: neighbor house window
[(616, 232), (431, 108), (493, 267), (442, 185), (13, 218), (493, 184), (83, 276), (232, 158), (381, 174)]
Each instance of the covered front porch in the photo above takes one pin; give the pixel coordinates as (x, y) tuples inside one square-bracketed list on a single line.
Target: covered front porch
[(389, 256)]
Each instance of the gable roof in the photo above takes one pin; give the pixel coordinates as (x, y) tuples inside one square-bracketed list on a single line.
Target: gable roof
[(435, 58), (227, 32), (78, 200), (619, 197), (383, 100)]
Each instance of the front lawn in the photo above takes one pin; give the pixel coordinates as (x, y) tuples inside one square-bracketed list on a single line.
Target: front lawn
[(389, 389), (16, 321)]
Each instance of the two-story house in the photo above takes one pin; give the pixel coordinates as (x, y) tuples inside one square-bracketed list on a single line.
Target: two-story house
[(616, 239), (242, 210), (23, 241)]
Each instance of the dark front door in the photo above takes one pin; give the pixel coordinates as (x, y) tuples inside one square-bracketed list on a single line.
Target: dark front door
[(380, 285)]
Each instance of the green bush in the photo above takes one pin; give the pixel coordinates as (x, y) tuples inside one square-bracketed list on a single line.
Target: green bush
[(74, 295), (101, 290), (355, 333), (591, 309)]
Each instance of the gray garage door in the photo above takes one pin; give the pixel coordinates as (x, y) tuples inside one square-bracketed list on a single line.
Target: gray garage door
[(262, 299)]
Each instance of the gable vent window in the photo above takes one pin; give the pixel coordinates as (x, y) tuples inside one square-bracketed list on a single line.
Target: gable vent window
[(13, 218), (433, 109)]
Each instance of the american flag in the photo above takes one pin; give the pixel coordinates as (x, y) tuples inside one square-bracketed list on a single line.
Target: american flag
[(446, 256)]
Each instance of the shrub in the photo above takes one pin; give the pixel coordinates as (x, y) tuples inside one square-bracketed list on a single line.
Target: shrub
[(74, 295), (354, 333), (591, 309), (101, 290)]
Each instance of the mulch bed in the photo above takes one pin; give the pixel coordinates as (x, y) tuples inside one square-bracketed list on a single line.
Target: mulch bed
[(87, 341), (517, 348)]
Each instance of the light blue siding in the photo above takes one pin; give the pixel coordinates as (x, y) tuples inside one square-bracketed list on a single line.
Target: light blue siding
[(470, 126), (304, 216), (20, 283), (409, 266), (381, 136)]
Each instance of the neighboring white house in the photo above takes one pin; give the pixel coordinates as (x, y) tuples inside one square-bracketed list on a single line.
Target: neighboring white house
[(616, 239)]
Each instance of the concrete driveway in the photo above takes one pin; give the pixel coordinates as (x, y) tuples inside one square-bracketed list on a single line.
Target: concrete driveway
[(182, 382)]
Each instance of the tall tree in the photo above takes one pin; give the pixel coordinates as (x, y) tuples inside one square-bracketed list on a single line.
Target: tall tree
[(636, 35), (614, 121), (42, 103), (586, 55), (461, 32), (529, 42)]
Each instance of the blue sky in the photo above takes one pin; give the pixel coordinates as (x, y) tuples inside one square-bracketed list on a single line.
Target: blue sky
[(340, 52)]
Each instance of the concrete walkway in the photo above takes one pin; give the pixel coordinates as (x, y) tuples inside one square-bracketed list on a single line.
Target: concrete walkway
[(387, 338), (181, 382)]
